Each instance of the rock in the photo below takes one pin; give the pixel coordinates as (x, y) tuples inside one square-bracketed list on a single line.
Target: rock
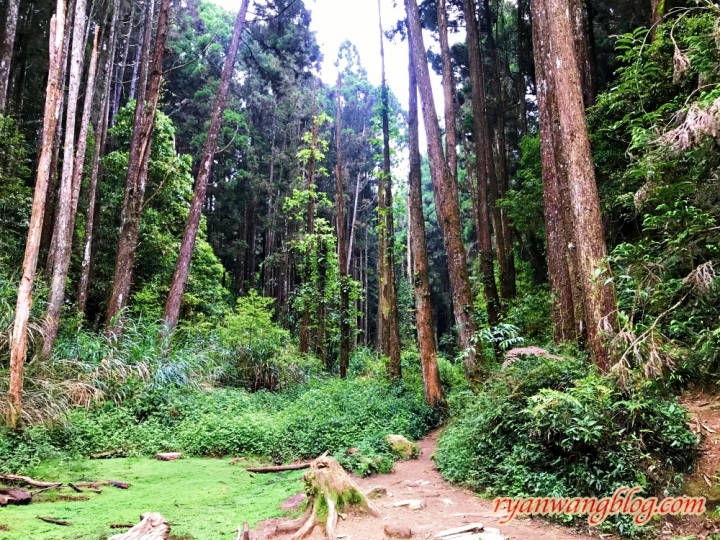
[(412, 504), (168, 456), (293, 503), (402, 447), (352, 451), (398, 531), (377, 492), (447, 501)]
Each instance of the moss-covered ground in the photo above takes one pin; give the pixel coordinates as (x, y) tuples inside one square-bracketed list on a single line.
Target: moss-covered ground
[(203, 499)]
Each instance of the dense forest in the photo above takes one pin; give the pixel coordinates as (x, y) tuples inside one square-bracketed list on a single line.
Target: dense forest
[(206, 249)]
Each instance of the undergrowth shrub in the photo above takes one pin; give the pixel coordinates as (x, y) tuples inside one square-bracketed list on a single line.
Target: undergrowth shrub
[(298, 423), (558, 428)]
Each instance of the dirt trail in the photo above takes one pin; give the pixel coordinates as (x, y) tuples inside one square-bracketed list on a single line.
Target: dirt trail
[(447, 507)]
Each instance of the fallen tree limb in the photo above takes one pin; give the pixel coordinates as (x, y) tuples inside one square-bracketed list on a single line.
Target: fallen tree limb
[(152, 527), (55, 521), (29, 481), (470, 528), (75, 488), (121, 525), (279, 468)]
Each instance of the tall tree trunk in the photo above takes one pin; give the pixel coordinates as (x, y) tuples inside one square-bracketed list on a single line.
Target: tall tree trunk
[(120, 69), (421, 277), (561, 278), (98, 152), (354, 221), (18, 345), (342, 248), (593, 271), (501, 184), (66, 223), (580, 21), (138, 161), (388, 287), (304, 345), (446, 200), (182, 268), (448, 83), (6, 50), (522, 65), (656, 15), (49, 219), (485, 167)]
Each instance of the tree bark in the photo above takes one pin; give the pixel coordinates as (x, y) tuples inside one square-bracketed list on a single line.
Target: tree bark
[(580, 21), (388, 288), (484, 164), (98, 152), (18, 346), (446, 200), (341, 247), (421, 278), (448, 83), (66, 220), (182, 268), (593, 270), (138, 161), (304, 345), (561, 279), (6, 50)]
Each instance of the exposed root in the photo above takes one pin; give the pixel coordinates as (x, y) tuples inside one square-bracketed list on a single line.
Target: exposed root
[(330, 492)]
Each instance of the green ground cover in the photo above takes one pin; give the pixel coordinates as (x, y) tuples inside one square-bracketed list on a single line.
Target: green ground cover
[(203, 499)]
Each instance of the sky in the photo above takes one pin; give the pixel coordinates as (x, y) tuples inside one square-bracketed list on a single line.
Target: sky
[(334, 21)]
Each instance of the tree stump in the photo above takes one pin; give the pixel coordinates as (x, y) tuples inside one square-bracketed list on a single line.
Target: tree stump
[(152, 527), (330, 492)]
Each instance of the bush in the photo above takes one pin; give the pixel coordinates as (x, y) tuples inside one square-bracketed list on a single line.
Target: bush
[(299, 423), (558, 428), (258, 353)]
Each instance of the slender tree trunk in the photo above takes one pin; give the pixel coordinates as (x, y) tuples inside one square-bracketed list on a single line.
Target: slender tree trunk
[(66, 224), (580, 22), (448, 83), (500, 181), (18, 345), (656, 15), (354, 221), (342, 248), (120, 69), (446, 200), (389, 298), (485, 167), (98, 152), (522, 65), (593, 271), (182, 268), (423, 307), (6, 50), (138, 161), (561, 285), (304, 345)]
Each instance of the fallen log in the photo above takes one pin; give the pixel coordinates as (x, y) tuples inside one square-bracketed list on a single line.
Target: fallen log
[(55, 521), (121, 525), (14, 496), (109, 454), (75, 488), (278, 468), (100, 483), (29, 481), (152, 527), (119, 485), (168, 456), (472, 527)]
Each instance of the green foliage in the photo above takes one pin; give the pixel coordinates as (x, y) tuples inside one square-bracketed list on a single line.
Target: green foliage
[(15, 195), (557, 428), (211, 513), (300, 422), (257, 352)]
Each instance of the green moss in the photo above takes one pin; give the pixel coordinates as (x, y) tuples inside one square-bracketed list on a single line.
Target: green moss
[(203, 499)]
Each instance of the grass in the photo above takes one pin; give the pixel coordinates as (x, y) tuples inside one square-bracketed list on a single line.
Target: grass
[(203, 499)]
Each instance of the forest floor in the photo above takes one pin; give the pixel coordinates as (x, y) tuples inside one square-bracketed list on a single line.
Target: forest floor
[(447, 507)]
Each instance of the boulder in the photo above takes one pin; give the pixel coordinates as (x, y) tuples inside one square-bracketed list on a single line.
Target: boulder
[(402, 447)]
